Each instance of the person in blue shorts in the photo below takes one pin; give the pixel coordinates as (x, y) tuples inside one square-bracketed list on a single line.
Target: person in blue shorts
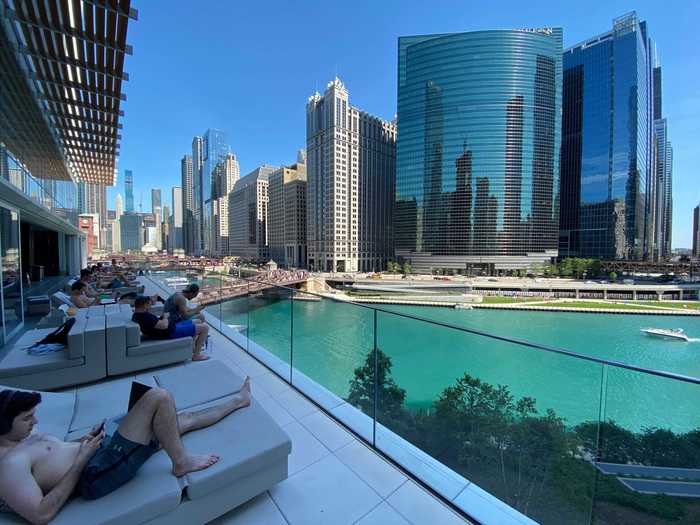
[(165, 328)]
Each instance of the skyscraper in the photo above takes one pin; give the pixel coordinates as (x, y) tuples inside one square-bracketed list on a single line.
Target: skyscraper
[(177, 226), (248, 205), (696, 231), (607, 175), (207, 152), (128, 190), (156, 201), (186, 173), (286, 212), (131, 230), (226, 174), (116, 229), (351, 159), (477, 161)]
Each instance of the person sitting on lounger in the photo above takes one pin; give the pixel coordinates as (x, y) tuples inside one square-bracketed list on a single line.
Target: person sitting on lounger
[(176, 304), (78, 296), (166, 328), (86, 277), (39, 472)]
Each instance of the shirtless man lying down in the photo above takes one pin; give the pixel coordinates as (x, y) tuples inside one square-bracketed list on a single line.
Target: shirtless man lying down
[(38, 472)]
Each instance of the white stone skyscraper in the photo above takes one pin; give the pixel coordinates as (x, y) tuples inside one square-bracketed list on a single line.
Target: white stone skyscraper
[(116, 229), (176, 227), (226, 174), (351, 167)]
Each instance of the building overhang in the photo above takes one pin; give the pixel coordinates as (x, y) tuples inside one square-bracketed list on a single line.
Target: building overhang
[(62, 69)]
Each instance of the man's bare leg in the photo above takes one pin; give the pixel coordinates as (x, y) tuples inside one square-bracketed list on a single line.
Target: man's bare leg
[(154, 414), (194, 420), (201, 333)]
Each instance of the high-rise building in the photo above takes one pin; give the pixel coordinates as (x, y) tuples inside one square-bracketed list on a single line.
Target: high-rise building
[(477, 168), (131, 231), (286, 210), (88, 225), (351, 175), (226, 173), (128, 190), (82, 197), (158, 225), (696, 231), (177, 223), (188, 222), (607, 172), (207, 152), (165, 229), (116, 229), (248, 215), (663, 178), (156, 201)]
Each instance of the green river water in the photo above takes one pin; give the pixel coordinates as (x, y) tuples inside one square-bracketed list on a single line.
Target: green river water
[(331, 339)]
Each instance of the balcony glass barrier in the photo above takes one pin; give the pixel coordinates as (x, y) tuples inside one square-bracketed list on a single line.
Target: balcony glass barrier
[(568, 438)]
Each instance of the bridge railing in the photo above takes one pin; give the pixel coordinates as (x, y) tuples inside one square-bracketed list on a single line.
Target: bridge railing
[(504, 430)]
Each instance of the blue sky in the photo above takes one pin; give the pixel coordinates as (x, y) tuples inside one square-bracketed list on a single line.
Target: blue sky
[(248, 68)]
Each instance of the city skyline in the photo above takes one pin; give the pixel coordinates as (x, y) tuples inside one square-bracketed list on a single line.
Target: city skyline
[(278, 131)]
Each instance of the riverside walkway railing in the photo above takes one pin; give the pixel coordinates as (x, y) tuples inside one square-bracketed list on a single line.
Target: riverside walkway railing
[(506, 430)]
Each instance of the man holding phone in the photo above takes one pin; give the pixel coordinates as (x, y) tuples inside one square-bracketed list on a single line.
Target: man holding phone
[(167, 327), (176, 304), (39, 473)]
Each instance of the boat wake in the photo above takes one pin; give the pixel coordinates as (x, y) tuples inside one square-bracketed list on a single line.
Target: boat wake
[(694, 339)]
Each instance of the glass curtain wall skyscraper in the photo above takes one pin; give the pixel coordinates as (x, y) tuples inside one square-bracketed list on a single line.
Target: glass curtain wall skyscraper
[(207, 152), (606, 173), (478, 149), (128, 191)]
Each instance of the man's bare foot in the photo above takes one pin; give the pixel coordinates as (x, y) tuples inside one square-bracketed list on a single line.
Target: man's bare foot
[(243, 395), (200, 357), (193, 463)]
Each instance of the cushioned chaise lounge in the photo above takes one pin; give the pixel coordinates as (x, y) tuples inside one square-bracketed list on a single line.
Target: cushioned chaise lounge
[(82, 361), (129, 351), (253, 449)]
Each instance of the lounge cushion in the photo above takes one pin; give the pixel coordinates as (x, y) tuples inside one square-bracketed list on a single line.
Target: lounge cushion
[(153, 492), (32, 336), (133, 333), (154, 346), (104, 400), (19, 363), (248, 441), (213, 380)]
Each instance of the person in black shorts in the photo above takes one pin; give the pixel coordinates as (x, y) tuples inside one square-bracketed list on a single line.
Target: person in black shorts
[(163, 328), (39, 473)]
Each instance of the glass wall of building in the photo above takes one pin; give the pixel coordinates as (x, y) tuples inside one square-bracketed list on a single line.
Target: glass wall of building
[(58, 196), (478, 147), (605, 144), (10, 273)]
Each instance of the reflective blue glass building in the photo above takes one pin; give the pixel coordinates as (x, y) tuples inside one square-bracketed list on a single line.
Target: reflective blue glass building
[(478, 149), (207, 151), (606, 140)]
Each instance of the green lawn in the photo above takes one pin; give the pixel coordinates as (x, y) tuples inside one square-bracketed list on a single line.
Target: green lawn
[(683, 305), (497, 299), (593, 305)]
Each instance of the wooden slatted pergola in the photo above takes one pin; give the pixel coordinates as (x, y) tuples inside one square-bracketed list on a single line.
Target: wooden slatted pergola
[(62, 65)]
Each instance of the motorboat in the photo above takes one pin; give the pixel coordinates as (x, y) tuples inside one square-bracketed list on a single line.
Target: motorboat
[(462, 306), (676, 334)]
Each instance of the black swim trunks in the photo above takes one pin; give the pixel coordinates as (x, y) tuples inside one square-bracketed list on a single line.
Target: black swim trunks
[(114, 464)]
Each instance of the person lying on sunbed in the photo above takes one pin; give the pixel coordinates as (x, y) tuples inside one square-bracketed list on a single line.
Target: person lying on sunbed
[(39, 472)]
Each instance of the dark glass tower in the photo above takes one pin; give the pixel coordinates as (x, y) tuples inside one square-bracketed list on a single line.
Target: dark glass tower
[(606, 149), (478, 149)]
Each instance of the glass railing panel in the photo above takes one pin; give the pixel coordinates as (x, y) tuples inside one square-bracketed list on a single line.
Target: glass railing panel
[(489, 424), (332, 340), (269, 325), (649, 447)]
